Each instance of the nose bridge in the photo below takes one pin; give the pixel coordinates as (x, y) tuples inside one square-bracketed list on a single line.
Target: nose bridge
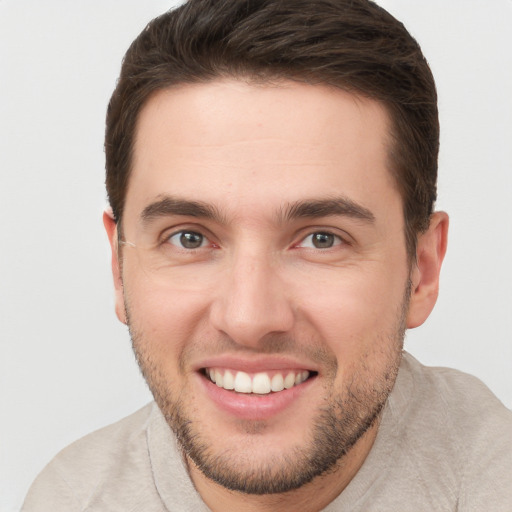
[(251, 300)]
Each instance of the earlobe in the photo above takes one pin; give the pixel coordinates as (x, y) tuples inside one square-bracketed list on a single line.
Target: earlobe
[(430, 252), (111, 229)]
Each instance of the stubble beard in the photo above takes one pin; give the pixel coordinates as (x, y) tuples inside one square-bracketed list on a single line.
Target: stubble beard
[(340, 422)]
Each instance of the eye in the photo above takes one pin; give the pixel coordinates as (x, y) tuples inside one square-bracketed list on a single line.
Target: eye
[(188, 240), (320, 240)]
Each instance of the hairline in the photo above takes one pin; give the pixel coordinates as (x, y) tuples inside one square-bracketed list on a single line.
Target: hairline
[(273, 78)]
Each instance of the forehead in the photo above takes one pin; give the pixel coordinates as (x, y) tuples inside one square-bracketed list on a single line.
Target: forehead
[(252, 145)]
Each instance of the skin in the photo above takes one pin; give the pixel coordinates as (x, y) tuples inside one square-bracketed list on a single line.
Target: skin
[(258, 293)]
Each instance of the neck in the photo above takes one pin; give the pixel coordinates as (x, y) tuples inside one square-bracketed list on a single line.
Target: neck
[(312, 497)]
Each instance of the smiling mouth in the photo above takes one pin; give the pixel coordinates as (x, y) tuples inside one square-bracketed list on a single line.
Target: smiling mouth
[(261, 383)]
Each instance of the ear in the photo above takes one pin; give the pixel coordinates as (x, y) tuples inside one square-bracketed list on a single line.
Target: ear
[(111, 229), (430, 251)]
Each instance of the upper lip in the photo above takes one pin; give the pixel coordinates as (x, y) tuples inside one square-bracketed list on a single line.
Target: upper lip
[(255, 364)]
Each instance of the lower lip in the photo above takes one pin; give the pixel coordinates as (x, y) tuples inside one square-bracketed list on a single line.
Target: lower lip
[(251, 406)]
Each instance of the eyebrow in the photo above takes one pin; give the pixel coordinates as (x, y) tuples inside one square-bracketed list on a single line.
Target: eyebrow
[(312, 208), (173, 206), (317, 208)]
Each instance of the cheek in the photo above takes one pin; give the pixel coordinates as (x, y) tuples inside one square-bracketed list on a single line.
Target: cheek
[(351, 310), (165, 317)]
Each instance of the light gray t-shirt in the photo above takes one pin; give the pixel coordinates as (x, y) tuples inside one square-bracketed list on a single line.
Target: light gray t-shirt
[(444, 444)]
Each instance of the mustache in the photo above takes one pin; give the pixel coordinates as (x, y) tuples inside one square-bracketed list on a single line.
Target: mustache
[(270, 344), (277, 344)]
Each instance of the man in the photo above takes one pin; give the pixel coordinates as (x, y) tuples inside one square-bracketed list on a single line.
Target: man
[(271, 171)]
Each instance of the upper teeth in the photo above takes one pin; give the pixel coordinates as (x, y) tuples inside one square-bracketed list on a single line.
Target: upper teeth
[(260, 383)]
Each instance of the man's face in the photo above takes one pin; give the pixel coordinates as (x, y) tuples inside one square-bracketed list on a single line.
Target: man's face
[(265, 246)]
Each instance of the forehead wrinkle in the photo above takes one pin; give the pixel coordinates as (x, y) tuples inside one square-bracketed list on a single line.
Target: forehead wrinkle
[(316, 208)]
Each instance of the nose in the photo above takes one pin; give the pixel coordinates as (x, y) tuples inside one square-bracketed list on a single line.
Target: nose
[(251, 301)]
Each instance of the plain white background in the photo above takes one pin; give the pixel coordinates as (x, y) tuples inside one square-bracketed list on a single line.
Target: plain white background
[(66, 365)]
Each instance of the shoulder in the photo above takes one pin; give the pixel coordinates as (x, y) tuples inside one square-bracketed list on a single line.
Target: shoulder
[(95, 452), (112, 454), (458, 424), (462, 400)]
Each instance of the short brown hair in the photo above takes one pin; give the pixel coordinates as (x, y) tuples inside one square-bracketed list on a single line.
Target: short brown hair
[(354, 45)]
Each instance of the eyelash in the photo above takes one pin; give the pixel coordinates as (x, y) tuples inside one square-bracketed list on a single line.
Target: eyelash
[(337, 240), (166, 239)]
